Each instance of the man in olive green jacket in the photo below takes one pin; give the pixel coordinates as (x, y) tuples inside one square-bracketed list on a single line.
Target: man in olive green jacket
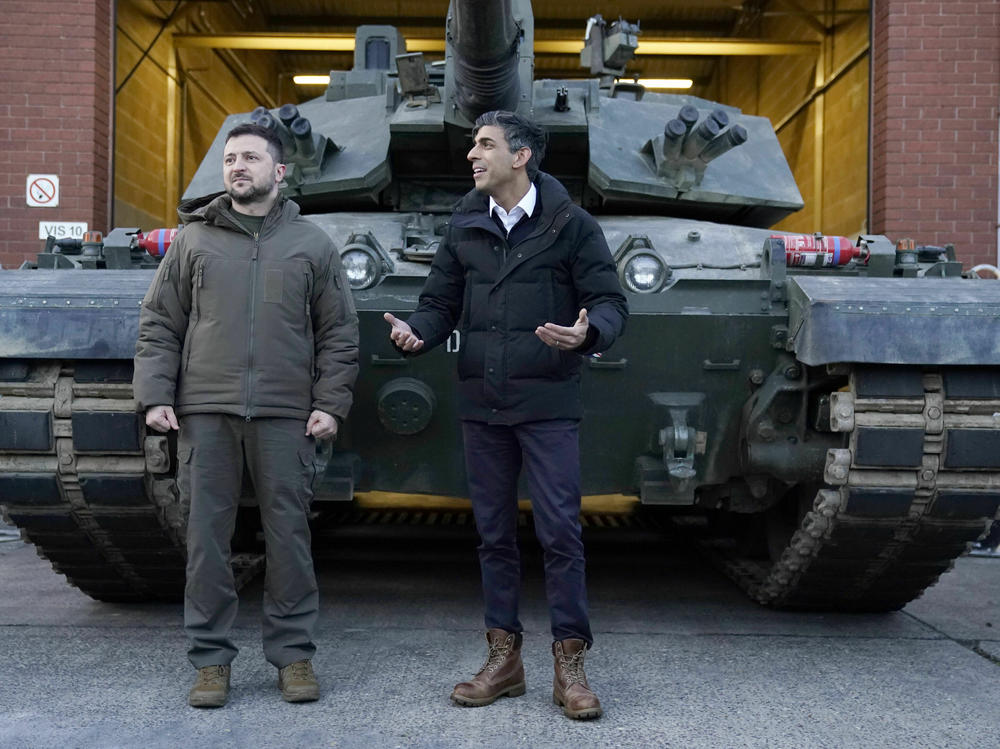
[(248, 344)]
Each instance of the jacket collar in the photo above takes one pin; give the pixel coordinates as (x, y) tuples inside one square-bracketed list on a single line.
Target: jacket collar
[(526, 205), (217, 210), (473, 210)]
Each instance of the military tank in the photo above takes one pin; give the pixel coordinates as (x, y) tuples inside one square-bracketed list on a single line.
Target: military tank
[(821, 414)]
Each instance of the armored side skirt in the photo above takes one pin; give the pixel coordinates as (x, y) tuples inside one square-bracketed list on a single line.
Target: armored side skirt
[(942, 321)]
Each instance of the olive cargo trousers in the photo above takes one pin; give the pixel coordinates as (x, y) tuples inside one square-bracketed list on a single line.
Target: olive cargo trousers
[(211, 451)]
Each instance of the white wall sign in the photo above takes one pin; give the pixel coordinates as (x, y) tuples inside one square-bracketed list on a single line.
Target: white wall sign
[(62, 229), (43, 190)]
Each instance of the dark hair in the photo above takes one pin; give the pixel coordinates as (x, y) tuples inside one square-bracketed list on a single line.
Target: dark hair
[(274, 146), (519, 131)]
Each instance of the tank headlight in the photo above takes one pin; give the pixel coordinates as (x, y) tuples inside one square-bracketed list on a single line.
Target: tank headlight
[(643, 273), (363, 269), (365, 261)]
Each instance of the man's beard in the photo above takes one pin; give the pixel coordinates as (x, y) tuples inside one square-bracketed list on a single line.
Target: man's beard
[(254, 194)]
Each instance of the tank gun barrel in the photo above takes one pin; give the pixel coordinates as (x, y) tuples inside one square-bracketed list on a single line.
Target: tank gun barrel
[(484, 38)]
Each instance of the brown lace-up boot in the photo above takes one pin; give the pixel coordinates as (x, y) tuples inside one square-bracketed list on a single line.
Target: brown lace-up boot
[(297, 682), (501, 674), (211, 688), (569, 688)]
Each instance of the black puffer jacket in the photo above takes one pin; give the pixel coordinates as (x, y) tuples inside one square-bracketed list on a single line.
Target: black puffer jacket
[(249, 326), (507, 375)]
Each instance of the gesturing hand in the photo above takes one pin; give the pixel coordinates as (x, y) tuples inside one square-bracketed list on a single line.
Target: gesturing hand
[(402, 334), (558, 336)]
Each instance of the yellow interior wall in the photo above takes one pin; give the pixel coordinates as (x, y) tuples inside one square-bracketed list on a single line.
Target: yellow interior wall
[(774, 86), (771, 86), (140, 116), (142, 192)]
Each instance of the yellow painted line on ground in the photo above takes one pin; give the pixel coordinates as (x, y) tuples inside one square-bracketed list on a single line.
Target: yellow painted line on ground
[(617, 504)]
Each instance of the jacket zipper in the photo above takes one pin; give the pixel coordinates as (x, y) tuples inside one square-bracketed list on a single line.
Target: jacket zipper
[(253, 315), (309, 329), (503, 362), (196, 304), (308, 302)]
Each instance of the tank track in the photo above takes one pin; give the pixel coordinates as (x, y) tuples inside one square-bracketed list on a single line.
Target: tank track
[(885, 526), (91, 491)]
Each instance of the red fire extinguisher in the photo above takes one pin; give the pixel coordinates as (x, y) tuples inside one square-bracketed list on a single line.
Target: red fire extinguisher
[(819, 251), (157, 241)]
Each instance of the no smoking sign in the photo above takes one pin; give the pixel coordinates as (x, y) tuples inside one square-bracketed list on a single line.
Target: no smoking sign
[(43, 190)]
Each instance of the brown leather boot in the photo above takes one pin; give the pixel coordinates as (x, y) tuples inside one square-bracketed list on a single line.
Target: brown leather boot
[(502, 673), (569, 688), (211, 688)]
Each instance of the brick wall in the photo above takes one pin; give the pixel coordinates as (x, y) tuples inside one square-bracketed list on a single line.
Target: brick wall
[(55, 115), (56, 99), (936, 78)]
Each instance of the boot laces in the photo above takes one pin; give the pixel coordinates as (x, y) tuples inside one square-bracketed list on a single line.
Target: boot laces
[(572, 667), (212, 676), (497, 655), (300, 670)]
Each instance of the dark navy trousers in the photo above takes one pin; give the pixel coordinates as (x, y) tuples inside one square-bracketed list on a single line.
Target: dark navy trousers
[(549, 452)]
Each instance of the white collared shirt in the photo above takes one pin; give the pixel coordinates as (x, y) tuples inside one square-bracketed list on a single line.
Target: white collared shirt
[(524, 207)]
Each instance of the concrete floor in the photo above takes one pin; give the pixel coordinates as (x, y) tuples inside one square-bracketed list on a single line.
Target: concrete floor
[(681, 659)]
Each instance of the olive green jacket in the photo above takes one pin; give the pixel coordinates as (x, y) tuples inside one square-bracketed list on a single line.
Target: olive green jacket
[(251, 326)]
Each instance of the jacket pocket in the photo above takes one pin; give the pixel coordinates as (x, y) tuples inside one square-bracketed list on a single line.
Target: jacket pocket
[(199, 283), (344, 287), (156, 292), (184, 455), (530, 303), (307, 456), (274, 285)]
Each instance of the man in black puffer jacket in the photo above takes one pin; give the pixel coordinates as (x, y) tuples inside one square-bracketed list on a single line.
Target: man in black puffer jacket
[(527, 276)]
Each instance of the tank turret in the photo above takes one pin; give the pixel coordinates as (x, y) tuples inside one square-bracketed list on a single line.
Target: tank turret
[(402, 131)]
